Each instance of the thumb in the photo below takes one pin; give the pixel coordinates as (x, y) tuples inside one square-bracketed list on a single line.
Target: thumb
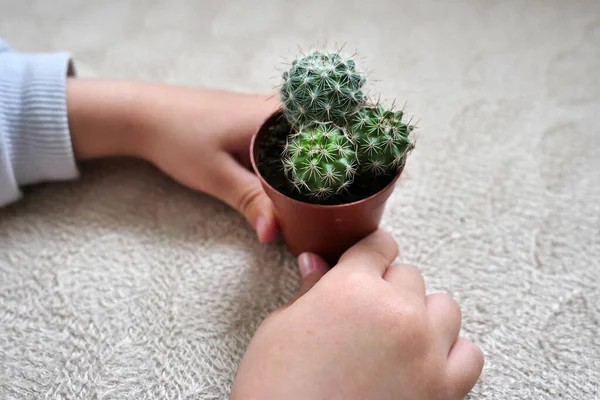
[(241, 189), (312, 268)]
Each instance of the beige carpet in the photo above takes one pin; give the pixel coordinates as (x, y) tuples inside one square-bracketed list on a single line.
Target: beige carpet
[(125, 285)]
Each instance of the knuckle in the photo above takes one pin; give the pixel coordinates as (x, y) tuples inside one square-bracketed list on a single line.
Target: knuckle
[(413, 271), (354, 290), (350, 286), (410, 273), (404, 320), (248, 198), (393, 246), (476, 355), (451, 305), (414, 321), (386, 244), (446, 298), (380, 254), (445, 302), (459, 384), (408, 324)]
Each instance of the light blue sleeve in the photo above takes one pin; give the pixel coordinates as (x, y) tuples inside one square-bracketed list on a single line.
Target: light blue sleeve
[(4, 46), (35, 141)]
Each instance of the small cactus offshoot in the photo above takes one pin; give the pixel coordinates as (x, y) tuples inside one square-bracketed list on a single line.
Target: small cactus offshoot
[(322, 87), (382, 139), (320, 161)]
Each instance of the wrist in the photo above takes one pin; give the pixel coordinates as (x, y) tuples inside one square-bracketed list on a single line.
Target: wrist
[(106, 119)]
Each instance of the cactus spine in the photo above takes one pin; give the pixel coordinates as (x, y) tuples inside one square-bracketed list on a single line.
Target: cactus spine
[(322, 87)]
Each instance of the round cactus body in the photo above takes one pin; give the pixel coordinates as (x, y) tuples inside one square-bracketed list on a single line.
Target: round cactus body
[(382, 139), (320, 161), (322, 87)]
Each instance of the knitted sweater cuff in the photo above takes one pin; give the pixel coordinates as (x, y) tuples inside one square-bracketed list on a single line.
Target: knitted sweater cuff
[(36, 144)]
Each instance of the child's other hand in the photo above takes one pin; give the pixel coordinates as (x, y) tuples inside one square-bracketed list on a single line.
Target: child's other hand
[(201, 138), (364, 330)]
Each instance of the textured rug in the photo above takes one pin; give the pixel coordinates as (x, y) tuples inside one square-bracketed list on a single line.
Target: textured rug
[(126, 285)]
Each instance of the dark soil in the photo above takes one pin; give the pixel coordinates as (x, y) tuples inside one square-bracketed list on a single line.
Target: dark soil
[(271, 146)]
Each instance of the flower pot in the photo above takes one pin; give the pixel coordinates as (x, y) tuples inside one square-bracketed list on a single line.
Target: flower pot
[(326, 230)]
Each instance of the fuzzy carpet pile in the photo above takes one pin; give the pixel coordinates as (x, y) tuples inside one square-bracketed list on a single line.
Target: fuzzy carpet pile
[(124, 284)]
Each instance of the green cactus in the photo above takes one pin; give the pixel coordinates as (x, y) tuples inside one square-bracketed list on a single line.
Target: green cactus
[(335, 133), (322, 87), (319, 160), (382, 139)]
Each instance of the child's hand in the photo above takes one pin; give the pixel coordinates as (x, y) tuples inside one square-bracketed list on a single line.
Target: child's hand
[(366, 330), (201, 138)]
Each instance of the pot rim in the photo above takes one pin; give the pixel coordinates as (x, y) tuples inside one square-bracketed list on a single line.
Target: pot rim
[(303, 203)]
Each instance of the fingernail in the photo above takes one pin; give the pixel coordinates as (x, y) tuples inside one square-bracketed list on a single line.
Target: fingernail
[(309, 263), (261, 226)]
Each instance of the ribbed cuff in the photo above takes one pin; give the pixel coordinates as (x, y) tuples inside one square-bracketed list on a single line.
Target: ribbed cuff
[(36, 121)]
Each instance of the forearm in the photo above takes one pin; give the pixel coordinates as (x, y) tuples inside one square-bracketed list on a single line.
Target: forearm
[(110, 118), (107, 118), (114, 118)]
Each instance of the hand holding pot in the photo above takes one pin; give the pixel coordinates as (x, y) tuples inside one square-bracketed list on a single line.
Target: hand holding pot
[(364, 330), (198, 137)]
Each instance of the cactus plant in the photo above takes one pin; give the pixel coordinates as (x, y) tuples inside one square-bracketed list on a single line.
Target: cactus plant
[(322, 87), (382, 139), (336, 132), (329, 158), (319, 160)]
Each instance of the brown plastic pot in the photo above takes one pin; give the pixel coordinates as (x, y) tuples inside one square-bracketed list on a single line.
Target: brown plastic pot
[(326, 230)]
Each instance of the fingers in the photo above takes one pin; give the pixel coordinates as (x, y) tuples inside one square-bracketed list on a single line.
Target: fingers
[(312, 268), (465, 359), (373, 254), (406, 279), (257, 108), (445, 316), (465, 363), (242, 190)]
